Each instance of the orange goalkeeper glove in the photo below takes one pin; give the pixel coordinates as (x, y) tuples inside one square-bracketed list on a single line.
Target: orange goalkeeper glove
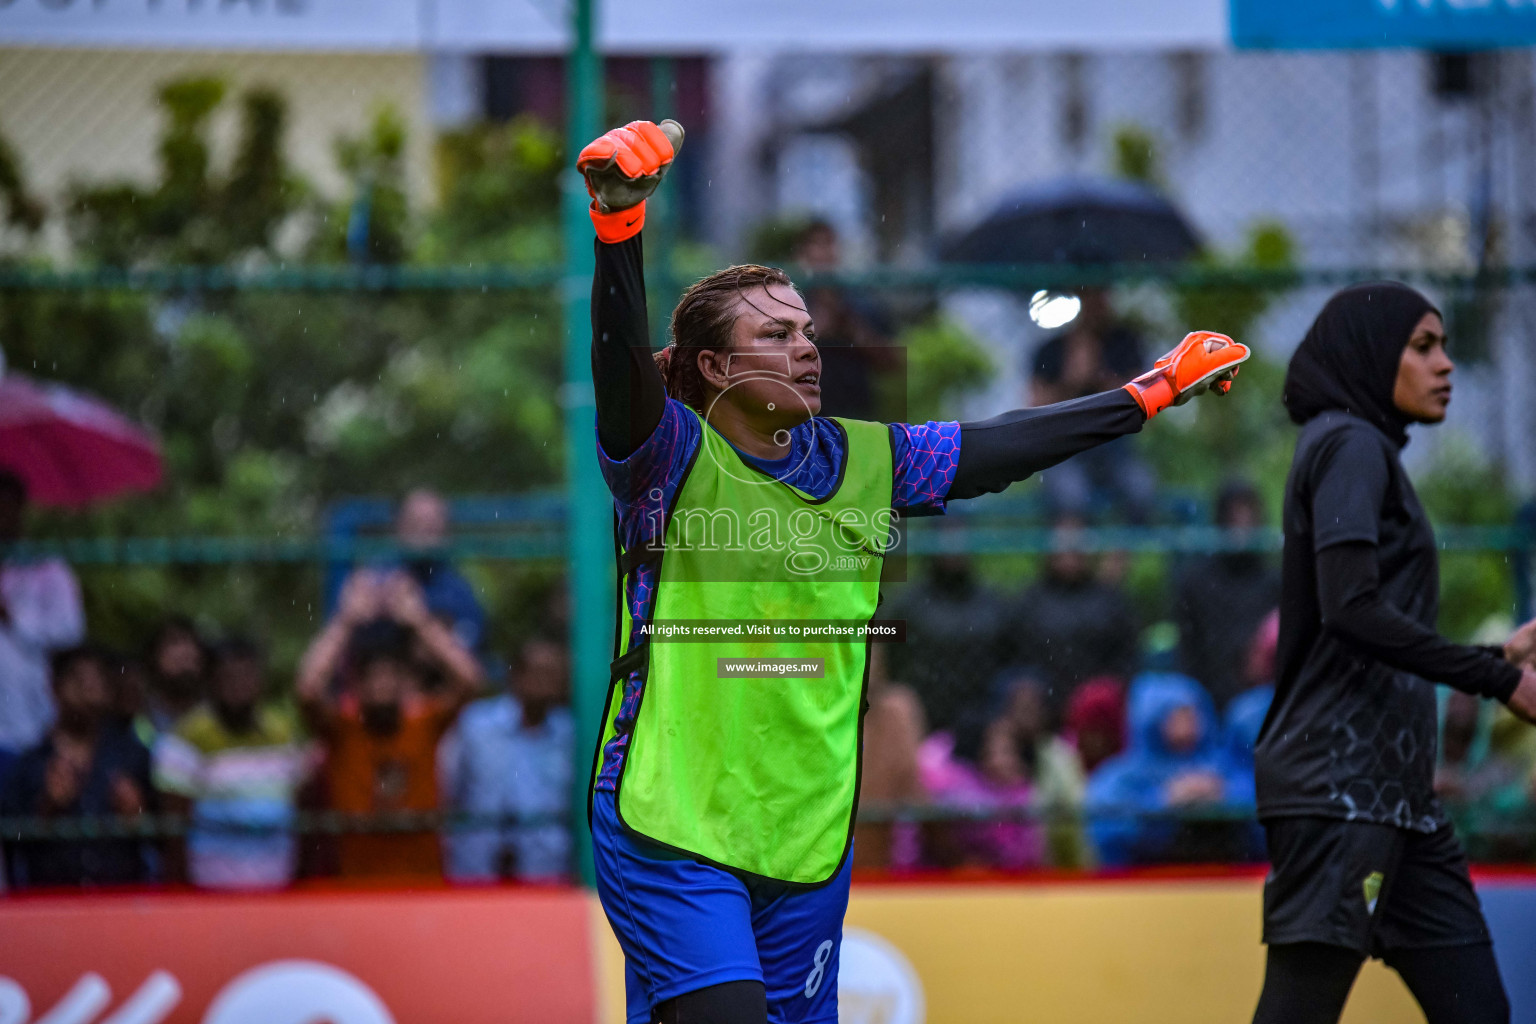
[(622, 168), (1203, 361)]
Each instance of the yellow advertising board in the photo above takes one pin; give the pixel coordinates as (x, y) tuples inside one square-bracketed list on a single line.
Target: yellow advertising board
[(1181, 951)]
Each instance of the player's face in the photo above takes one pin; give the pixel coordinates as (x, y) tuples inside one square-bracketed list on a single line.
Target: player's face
[(1423, 387), (772, 370)]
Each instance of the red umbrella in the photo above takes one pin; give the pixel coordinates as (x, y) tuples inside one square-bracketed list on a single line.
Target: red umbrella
[(70, 448)]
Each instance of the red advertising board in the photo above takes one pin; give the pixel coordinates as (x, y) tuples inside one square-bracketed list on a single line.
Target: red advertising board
[(465, 956)]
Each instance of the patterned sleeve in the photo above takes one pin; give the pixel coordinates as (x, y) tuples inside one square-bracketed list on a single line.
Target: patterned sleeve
[(656, 466), (925, 458)]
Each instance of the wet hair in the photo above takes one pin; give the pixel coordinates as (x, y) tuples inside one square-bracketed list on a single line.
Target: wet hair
[(703, 319), (12, 487)]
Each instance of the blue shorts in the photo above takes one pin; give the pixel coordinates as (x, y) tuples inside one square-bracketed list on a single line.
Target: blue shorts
[(684, 926)]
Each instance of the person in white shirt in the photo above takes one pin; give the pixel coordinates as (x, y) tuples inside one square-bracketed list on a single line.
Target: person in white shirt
[(40, 612), (512, 757)]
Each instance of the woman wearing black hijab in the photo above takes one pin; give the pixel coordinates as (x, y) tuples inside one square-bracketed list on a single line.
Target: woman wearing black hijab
[(1364, 860)]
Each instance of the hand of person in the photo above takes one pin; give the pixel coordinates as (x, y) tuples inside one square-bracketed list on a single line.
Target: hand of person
[(404, 601), (62, 779), (1520, 649), (1523, 701), (1450, 782), (622, 168), (127, 799), (361, 598), (1203, 361), (1195, 788)]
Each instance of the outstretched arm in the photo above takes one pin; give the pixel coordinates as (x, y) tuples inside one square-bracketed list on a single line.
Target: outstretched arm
[(1008, 448)]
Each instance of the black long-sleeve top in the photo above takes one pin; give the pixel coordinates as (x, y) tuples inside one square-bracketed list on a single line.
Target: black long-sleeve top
[(993, 453), (1352, 732)]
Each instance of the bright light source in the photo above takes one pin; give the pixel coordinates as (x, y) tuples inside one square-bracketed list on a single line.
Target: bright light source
[(1053, 309)]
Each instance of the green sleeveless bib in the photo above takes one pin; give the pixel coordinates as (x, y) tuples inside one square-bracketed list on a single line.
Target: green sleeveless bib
[(758, 775)]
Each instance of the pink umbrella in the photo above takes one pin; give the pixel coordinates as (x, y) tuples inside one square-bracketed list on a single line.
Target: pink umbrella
[(70, 448)]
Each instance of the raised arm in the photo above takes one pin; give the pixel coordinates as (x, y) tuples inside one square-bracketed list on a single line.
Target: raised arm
[(622, 169), (630, 394), (404, 602), (361, 599)]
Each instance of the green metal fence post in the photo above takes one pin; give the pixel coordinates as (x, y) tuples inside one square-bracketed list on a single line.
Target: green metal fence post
[(589, 537)]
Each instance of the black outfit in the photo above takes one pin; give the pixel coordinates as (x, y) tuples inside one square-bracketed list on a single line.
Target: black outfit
[(993, 453), (1307, 983), (1220, 602), (75, 862), (1364, 861)]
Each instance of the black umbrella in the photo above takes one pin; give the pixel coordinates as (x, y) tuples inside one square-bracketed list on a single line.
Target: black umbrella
[(1076, 220)]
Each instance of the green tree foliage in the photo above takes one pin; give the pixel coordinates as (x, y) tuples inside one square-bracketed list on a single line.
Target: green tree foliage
[(21, 209), (270, 405), (499, 193), (194, 213), (373, 223), (944, 364), (1133, 155)]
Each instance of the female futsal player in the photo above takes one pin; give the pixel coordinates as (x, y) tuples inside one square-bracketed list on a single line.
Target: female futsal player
[(727, 770), (1365, 863)]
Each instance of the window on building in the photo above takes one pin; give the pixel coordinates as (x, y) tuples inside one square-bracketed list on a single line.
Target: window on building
[(1074, 100), (1455, 76), (1189, 71)]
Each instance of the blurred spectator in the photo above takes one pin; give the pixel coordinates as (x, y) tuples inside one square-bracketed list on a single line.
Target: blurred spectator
[(1095, 353), (40, 613), (1095, 721), (1074, 626), (958, 638), (975, 766), (512, 758), (851, 332), (1487, 777), (1221, 598), (86, 766), (232, 765), (1053, 765), (381, 736), (422, 530), (1244, 717), (1174, 763), (178, 676), (1245, 712), (894, 726), (1003, 758)]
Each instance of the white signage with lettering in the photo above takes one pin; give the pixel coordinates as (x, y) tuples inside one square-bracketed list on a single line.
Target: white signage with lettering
[(261, 24), (623, 26)]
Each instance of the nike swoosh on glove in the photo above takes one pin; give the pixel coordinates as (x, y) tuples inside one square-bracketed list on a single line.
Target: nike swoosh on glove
[(622, 168), (1203, 361)]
